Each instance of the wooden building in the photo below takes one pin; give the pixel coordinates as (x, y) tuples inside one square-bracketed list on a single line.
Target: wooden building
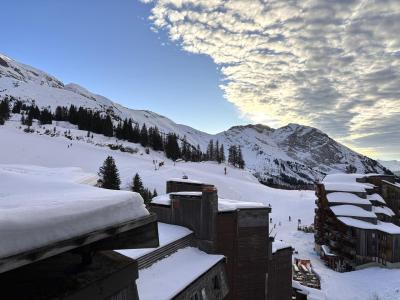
[(236, 229), (391, 194), (354, 222)]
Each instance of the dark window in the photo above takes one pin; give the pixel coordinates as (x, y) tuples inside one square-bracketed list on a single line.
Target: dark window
[(195, 296), (215, 282)]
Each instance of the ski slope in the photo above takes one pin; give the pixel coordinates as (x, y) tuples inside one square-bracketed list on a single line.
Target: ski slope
[(18, 147)]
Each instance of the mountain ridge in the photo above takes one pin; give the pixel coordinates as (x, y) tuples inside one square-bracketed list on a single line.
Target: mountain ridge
[(290, 155)]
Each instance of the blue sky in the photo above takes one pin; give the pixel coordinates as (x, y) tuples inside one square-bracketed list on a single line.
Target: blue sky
[(212, 64), (110, 49)]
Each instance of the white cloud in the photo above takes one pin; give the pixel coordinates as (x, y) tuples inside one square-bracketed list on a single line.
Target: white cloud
[(330, 64)]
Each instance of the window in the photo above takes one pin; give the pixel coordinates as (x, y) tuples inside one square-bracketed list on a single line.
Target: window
[(215, 282), (195, 296)]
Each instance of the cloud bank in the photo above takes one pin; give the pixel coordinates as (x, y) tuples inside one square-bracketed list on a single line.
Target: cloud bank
[(334, 65)]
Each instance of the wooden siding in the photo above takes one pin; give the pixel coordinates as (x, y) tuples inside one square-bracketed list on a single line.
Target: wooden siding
[(280, 275), (110, 276), (243, 239)]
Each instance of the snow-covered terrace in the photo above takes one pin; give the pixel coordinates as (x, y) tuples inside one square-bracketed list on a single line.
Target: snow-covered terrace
[(41, 206), (383, 210), (376, 197), (351, 211), (381, 226), (223, 204), (346, 183), (342, 197)]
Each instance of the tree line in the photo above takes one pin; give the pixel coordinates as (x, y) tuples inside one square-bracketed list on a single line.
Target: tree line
[(92, 121)]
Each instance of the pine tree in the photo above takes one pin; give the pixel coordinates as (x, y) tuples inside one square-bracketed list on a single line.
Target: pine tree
[(109, 175), (137, 184), (135, 138), (4, 111), (240, 160), (144, 136), (216, 152), (172, 149), (222, 154), (210, 150), (108, 127), (17, 107), (155, 194), (232, 155)]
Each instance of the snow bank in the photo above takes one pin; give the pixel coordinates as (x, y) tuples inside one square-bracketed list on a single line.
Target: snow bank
[(351, 211), (166, 233), (40, 205), (166, 278)]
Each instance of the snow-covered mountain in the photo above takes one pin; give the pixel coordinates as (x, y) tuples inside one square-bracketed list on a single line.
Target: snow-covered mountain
[(288, 155), (392, 165)]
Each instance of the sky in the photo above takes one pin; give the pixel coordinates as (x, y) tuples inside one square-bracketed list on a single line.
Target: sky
[(212, 64)]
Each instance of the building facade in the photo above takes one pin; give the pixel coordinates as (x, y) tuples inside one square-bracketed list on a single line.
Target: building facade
[(355, 222)]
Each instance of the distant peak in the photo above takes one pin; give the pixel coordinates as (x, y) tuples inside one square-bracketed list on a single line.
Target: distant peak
[(5, 57), (259, 127)]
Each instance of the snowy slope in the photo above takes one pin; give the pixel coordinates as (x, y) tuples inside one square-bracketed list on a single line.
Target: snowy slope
[(278, 155), (39, 149)]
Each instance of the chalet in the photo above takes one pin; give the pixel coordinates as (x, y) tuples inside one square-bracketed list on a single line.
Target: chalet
[(237, 230), (355, 221)]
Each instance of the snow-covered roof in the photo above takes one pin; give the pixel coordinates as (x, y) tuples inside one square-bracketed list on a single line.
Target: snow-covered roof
[(166, 234), (223, 204), (279, 245), (166, 200), (230, 205), (381, 226), (341, 197), (383, 210), (167, 277), (376, 197), (351, 211), (40, 206), (186, 180), (346, 183), (196, 194)]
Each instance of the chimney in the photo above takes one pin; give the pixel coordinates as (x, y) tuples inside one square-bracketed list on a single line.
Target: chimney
[(208, 218)]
